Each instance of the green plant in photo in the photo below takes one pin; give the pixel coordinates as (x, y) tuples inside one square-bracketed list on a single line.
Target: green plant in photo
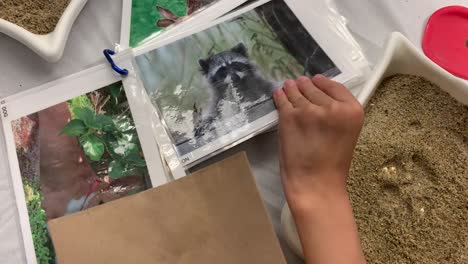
[(38, 222), (109, 140), (80, 101)]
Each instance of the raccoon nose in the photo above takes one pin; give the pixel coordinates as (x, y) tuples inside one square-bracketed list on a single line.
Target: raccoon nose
[(236, 78)]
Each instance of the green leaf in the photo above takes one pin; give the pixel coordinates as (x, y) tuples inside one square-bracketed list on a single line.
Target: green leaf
[(123, 147), (74, 128), (92, 120), (115, 91), (38, 222), (135, 160), (95, 123), (77, 102), (110, 141), (86, 115), (117, 169), (104, 123), (93, 147), (124, 125)]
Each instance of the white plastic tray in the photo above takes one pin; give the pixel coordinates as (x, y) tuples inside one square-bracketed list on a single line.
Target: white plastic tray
[(49, 46), (400, 57)]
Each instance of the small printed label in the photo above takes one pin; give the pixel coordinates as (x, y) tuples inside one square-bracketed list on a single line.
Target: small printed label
[(185, 160), (4, 111)]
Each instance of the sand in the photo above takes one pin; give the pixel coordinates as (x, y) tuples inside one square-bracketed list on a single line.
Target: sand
[(37, 16), (409, 179)]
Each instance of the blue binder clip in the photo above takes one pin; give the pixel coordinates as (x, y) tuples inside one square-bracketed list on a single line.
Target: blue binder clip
[(107, 54)]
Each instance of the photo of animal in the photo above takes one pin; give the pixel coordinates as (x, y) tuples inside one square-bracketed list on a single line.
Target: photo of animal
[(209, 86), (170, 17), (229, 72), (149, 17)]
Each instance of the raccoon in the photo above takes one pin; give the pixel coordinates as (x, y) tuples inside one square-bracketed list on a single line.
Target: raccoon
[(227, 71)]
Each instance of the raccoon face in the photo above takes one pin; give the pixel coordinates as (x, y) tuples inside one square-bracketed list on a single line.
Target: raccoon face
[(228, 67)]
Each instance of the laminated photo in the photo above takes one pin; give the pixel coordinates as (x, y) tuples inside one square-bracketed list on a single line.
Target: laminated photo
[(74, 144), (149, 16), (215, 86), (144, 20), (76, 155)]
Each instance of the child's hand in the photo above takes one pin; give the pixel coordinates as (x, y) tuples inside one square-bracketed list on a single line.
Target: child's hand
[(320, 122)]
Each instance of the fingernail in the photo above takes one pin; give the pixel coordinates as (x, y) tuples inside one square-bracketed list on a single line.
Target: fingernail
[(288, 83), (319, 76), (278, 92)]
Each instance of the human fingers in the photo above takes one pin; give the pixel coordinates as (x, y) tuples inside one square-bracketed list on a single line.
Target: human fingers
[(312, 93), (294, 95), (281, 100), (333, 89)]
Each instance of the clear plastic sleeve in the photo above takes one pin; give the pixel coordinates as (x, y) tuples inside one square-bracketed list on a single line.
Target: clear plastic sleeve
[(74, 144), (246, 55), (356, 55), (144, 107), (148, 26)]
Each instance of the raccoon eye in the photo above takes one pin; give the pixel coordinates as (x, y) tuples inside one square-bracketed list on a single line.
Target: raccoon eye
[(240, 67), (221, 73)]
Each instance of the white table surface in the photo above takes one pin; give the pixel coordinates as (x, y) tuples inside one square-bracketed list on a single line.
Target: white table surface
[(98, 27)]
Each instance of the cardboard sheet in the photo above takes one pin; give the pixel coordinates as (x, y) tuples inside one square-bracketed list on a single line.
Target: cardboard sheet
[(213, 216)]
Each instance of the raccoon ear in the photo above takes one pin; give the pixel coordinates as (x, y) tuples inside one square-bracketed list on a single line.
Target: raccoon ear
[(205, 66), (166, 13), (240, 49), (164, 23)]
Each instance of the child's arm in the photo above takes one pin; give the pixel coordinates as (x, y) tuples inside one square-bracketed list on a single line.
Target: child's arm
[(320, 122)]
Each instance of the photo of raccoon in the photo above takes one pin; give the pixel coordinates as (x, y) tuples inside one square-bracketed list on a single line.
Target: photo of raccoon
[(214, 87), (233, 77)]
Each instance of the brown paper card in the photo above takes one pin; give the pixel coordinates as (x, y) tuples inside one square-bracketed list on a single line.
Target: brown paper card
[(213, 216)]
